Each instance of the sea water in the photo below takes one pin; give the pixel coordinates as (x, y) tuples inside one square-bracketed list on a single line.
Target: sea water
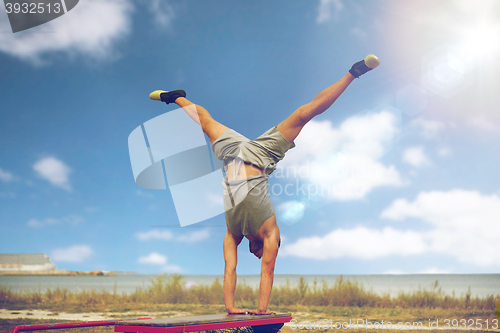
[(481, 285)]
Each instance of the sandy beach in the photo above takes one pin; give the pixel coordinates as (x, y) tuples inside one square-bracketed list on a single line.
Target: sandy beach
[(43, 314)]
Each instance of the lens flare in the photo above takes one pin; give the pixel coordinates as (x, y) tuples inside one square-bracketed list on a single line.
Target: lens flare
[(292, 212), (482, 41)]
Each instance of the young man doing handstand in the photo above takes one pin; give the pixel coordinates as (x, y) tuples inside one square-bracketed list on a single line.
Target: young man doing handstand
[(248, 164)]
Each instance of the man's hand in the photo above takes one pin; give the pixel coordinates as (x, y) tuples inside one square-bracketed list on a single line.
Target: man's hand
[(237, 311), (261, 312)]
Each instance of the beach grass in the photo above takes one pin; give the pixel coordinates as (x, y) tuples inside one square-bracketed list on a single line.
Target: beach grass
[(168, 295), (342, 301), (171, 289)]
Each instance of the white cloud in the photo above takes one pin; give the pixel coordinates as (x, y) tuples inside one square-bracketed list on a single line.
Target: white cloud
[(7, 195), (34, 223), (328, 9), (191, 237), (434, 270), (482, 123), (77, 253), (90, 29), (153, 259), (416, 157), (55, 171), (162, 11), (428, 128), (194, 236), (395, 272), (343, 163), (155, 234), (361, 243), (444, 152), (464, 223), (70, 219), (460, 224), (172, 269), (6, 176), (430, 270)]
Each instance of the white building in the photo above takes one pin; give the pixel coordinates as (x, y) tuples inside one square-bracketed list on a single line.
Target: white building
[(25, 262)]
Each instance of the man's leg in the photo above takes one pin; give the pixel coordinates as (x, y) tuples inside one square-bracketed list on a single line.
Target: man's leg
[(200, 115), (291, 126)]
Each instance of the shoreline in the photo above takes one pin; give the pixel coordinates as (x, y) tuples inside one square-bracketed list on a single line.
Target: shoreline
[(453, 285)]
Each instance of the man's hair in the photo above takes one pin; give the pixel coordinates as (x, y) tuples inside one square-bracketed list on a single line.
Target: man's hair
[(257, 245)]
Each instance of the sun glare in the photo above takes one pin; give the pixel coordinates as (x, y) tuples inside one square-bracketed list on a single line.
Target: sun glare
[(482, 41)]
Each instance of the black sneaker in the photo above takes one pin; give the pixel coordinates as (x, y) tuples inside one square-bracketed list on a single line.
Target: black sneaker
[(167, 96), (365, 65)]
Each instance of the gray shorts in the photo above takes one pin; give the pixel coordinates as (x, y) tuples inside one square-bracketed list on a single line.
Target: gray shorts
[(264, 152), (246, 201)]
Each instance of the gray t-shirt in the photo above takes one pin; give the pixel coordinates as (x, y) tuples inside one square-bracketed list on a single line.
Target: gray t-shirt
[(246, 201)]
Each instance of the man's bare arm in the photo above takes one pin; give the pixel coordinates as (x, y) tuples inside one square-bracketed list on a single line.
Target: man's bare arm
[(230, 259), (267, 272)]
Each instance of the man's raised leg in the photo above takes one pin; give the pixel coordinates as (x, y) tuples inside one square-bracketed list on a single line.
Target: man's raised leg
[(291, 126), (202, 117)]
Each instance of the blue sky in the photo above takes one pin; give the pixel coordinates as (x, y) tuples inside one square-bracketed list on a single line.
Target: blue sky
[(407, 157)]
